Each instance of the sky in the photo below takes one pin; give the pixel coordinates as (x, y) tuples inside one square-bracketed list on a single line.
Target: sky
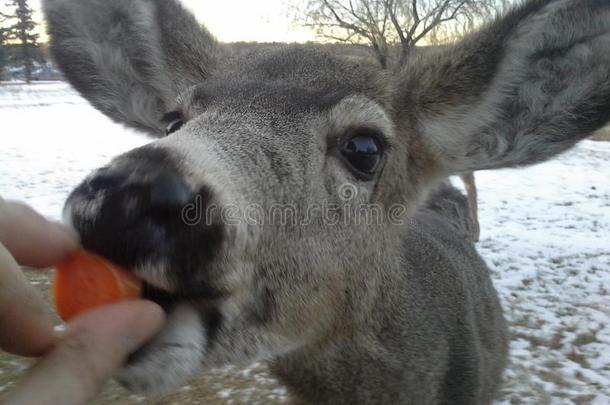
[(237, 20), (240, 20)]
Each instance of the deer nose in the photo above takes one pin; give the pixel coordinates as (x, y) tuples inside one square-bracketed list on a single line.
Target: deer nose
[(141, 191), (138, 209), (168, 193), (105, 179)]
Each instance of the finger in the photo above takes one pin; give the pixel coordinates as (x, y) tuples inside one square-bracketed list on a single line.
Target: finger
[(94, 346), (30, 238), (26, 327)]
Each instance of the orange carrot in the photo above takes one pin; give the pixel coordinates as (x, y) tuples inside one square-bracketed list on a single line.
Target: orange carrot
[(84, 281)]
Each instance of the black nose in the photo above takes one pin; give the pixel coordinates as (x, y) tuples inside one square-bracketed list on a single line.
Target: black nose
[(141, 189), (138, 210), (168, 193), (106, 179)]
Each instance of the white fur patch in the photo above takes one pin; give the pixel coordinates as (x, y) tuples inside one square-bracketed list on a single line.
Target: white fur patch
[(85, 209), (155, 274), (172, 357)]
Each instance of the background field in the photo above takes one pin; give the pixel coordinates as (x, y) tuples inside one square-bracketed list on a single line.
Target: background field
[(603, 135), (545, 233)]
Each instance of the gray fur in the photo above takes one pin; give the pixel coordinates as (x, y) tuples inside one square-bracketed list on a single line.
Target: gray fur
[(128, 58), (528, 84), (349, 312)]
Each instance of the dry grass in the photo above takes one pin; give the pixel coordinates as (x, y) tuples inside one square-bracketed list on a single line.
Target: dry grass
[(602, 135)]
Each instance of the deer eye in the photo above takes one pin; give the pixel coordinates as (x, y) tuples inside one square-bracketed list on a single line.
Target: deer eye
[(173, 126), (363, 151), (173, 122)]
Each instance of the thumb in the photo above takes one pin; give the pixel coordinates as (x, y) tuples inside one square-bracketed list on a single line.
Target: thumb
[(93, 347)]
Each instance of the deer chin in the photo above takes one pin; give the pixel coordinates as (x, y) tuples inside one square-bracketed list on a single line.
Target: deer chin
[(177, 352), (172, 357), (201, 296)]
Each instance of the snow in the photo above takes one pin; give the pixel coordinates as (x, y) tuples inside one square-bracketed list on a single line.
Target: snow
[(51, 139), (545, 234)]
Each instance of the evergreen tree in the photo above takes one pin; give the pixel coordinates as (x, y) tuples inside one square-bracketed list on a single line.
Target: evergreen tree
[(3, 38), (22, 30), (2, 55)]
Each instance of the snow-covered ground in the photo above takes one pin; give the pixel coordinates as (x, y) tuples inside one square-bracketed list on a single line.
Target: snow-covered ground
[(546, 237), (545, 234), (51, 139)]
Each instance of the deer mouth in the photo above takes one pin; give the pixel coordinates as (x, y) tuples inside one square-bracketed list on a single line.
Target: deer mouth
[(169, 299), (165, 255)]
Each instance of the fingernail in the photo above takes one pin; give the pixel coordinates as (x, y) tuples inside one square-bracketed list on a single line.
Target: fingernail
[(59, 331)]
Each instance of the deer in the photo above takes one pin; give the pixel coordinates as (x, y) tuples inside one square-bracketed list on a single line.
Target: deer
[(292, 206)]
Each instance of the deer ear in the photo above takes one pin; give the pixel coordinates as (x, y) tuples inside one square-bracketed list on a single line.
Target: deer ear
[(523, 89), (130, 58)]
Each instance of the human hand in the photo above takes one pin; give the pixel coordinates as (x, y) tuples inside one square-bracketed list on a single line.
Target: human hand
[(78, 361)]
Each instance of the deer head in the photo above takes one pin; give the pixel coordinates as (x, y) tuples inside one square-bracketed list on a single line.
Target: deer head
[(245, 216)]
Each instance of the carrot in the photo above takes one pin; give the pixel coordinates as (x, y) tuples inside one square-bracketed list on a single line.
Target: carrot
[(85, 281)]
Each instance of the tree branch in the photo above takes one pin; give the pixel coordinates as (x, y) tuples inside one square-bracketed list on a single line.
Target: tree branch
[(382, 23)]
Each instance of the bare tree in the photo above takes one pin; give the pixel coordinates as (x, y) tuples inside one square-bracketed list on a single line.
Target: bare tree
[(400, 24)]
